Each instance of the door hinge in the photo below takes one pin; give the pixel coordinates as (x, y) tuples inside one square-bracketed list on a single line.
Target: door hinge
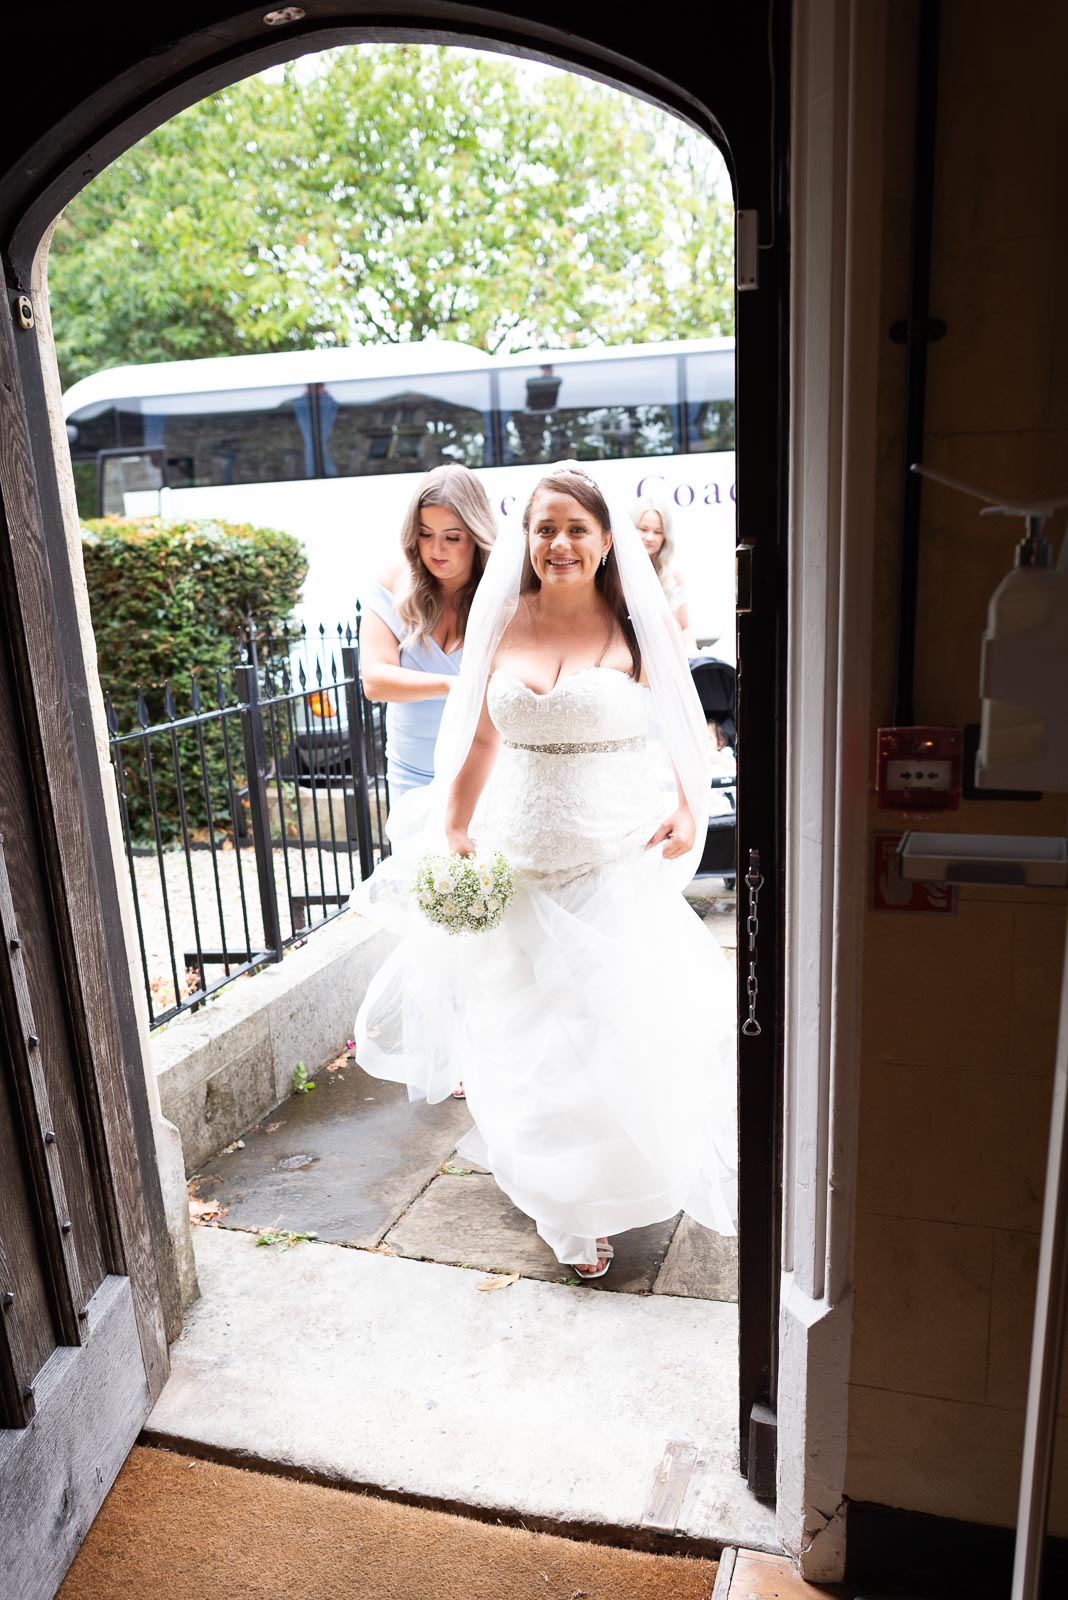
[(24, 311), (743, 579), (746, 224)]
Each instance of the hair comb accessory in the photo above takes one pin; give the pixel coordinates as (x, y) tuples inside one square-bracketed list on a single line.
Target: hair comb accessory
[(573, 468)]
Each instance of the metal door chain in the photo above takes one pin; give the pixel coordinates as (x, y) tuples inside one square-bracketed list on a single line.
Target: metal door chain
[(755, 883)]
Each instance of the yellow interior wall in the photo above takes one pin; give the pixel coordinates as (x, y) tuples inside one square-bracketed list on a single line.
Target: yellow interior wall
[(959, 1013)]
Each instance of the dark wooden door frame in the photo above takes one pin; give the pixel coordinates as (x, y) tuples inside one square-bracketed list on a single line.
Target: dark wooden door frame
[(60, 827), (735, 89)]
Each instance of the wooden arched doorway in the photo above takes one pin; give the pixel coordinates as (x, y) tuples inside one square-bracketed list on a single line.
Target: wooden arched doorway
[(83, 1242)]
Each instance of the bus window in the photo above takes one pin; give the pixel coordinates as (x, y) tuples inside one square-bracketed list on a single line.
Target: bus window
[(89, 430), (233, 436), (373, 425), (710, 401), (589, 411)]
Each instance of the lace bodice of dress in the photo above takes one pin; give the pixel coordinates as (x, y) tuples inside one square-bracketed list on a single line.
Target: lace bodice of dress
[(590, 706), (559, 813)]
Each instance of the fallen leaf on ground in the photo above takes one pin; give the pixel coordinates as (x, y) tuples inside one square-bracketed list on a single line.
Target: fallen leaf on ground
[(498, 1283), (205, 1212), (272, 1127)]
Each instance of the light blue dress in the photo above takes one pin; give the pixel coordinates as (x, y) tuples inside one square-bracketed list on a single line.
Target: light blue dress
[(411, 725)]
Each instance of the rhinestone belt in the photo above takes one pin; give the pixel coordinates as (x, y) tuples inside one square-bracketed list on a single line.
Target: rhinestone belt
[(596, 747)]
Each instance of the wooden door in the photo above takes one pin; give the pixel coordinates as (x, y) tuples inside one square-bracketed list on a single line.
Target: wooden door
[(82, 1347), (762, 325)]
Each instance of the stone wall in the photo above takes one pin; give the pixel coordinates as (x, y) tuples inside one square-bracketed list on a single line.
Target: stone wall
[(960, 1011), (221, 1067)]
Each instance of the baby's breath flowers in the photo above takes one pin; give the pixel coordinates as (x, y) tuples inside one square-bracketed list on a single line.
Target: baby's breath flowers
[(463, 894)]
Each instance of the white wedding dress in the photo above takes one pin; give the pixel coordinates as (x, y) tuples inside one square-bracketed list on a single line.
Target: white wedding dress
[(594, 1029)]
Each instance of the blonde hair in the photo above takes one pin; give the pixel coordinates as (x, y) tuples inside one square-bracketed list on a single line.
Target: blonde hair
[(569, 478), (662, 559), (457, 489)]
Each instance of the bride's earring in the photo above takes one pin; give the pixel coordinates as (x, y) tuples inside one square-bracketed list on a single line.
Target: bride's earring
[(604, 559)]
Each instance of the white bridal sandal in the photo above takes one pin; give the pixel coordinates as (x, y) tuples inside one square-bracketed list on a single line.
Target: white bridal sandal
[(605, 1252)]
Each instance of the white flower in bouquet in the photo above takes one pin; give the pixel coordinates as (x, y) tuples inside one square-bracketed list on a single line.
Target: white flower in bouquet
[(463, 894)]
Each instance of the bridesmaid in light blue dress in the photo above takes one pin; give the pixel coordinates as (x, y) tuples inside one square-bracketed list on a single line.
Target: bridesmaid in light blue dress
[(411, 725), (415, 613)]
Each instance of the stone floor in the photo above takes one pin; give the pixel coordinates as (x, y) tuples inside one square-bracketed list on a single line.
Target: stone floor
[(355, 1163)]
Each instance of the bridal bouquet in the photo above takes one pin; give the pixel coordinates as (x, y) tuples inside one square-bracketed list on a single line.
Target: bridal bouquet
[(463, 894)]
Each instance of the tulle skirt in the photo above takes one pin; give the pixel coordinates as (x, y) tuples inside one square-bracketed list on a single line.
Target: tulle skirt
[(594, 1032)]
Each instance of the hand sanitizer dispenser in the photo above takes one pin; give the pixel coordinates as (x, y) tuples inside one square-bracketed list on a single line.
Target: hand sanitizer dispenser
[(1023, 739)]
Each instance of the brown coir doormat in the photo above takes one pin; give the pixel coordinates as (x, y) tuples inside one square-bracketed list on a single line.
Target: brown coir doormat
[(176, 1528)]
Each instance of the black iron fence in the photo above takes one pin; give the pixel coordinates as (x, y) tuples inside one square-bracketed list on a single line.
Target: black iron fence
[(249, 815)]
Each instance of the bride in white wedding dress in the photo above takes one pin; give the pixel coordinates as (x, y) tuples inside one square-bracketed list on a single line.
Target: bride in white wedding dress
[(594, 1028)]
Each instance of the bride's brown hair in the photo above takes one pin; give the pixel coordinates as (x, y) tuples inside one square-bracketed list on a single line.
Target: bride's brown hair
[(573, 481)]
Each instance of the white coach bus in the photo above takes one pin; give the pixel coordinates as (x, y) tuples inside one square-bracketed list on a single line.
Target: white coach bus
[(328, 445)]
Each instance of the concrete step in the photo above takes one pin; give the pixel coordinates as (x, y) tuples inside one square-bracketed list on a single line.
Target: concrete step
[(534, 1399)]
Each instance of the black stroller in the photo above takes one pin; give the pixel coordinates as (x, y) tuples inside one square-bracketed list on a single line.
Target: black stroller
[(715, 682)]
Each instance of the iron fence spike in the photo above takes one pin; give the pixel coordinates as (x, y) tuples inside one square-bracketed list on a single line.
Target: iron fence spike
[(142, 709), (113, 721), (302, 675), (319, 671), (169, 707), (194, 693)]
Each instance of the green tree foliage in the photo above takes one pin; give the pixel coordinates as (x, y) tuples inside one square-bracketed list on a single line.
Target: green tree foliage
[(168, 601), (391, 193)]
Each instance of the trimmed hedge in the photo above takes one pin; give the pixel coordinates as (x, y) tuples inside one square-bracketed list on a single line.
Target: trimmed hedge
[(168, 600)]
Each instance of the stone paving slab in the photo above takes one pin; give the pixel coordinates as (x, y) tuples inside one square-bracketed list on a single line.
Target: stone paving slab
[(699, 1264), (717, 908), (342, 1161), (534, 1399), (467, 1221)]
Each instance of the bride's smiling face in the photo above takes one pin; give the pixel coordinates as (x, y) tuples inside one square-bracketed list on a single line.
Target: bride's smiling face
[(566, 541)]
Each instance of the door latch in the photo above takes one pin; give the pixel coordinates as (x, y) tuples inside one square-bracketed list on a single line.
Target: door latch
[(743, 578)]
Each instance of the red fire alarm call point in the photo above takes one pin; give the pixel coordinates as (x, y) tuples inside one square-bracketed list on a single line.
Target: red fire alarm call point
[(918, 769)]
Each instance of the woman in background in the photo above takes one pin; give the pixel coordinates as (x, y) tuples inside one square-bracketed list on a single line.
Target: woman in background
[(415, 614), (652, 517)]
